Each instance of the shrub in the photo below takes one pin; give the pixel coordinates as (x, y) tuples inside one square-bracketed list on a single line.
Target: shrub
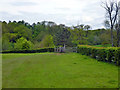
[(30, 51), (22, 43), (107, 54)]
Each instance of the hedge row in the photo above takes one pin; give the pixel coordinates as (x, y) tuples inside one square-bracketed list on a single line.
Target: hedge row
[(30, 51), (111, 54)]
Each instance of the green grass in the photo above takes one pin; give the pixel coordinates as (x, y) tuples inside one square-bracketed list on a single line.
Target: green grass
[(54, 70)]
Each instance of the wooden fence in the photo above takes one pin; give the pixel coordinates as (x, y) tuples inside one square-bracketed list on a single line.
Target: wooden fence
[(65, 49)]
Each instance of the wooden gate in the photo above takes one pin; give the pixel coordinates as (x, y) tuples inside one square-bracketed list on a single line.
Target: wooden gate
[(71, 49), (66, 49)]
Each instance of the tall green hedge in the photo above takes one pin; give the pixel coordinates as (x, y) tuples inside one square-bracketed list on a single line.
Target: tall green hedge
[(30, 51), (111, 54)]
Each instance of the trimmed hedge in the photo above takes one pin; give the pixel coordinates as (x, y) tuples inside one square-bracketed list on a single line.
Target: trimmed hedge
[(30, 51), (111, 54)]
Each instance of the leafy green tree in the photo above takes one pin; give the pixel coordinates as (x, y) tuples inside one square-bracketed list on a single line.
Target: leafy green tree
[(105, 38), (78, 35), (11, 36), (40, 36), (4, 28), (23, 32), (6, 45), (62, 36), (47, 41), (23, 43), (87, 27)]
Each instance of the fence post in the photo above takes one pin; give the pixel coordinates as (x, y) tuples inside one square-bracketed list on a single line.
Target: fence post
[(54, 49), (60, 49), (57, 49), (76, 49)]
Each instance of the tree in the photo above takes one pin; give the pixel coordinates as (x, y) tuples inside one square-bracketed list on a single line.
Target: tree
[(50, 23), (6, 45), (12, 36), (81, 26), (87, 27), (78, 35), (40, 36), (23, 43), (112, 13), (62, 36), (47, 41), (118, 29), (23, 32), (4, 27), (105, 37), (107, 24)]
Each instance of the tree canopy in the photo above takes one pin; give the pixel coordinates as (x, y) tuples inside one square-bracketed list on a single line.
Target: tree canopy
[(22, 35)]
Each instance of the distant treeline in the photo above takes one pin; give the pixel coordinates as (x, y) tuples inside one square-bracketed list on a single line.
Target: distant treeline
[(21, 35)]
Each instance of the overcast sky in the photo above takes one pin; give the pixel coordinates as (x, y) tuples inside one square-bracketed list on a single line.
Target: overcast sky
[(68, 12)]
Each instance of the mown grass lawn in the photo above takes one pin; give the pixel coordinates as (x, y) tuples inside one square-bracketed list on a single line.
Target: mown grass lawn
[(55, 70)]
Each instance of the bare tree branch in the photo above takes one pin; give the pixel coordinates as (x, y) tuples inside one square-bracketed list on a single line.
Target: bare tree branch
[(112, 9)]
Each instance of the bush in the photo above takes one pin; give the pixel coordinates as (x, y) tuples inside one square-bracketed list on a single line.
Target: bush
[(22, 44), (30, 51), (106, 54)]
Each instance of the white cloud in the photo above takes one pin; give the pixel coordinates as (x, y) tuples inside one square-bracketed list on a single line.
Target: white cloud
[(87, 18), (69, 12)]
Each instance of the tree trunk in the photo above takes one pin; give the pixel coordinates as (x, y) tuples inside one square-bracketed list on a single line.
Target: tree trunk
[(112, 36), (119, 35)]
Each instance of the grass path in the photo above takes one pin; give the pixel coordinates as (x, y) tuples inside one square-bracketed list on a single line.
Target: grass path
[(51, 70)]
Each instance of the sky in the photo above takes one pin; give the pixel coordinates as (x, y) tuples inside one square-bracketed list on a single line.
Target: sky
[(68, 12)]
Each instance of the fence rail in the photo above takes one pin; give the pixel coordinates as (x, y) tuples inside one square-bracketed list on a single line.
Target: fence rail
[(67, 49)]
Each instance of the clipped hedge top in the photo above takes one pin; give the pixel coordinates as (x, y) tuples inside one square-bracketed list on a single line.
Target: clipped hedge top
[(88, 46), (28, 50)]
